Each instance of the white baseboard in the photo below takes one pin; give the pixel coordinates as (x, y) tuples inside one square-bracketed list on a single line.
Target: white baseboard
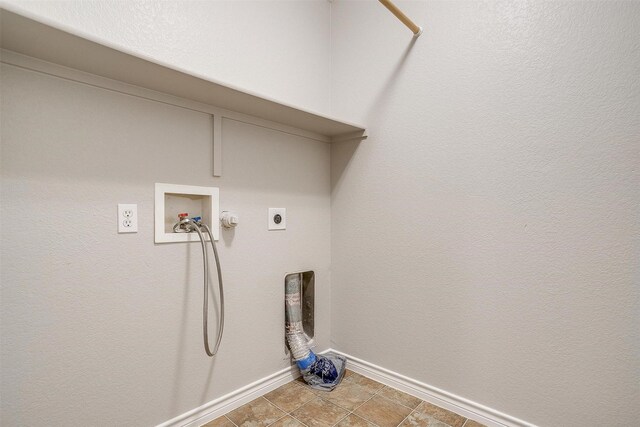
[(444, 399), (467, 408), (227, 403)]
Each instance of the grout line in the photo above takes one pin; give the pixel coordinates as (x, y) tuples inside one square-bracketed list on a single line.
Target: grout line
[(353, 412), (455, 413), (298, 420), (285, 414), (338, 422), (291, 412), (282, 409), (428, 416), (276, 406), (398, 403), (229, 419), (347, 409), (363, 418), (405, 418), (392, 401)]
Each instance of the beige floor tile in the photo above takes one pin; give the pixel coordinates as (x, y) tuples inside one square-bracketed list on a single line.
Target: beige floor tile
[(219, 422), (367, 383), (383, 412), (290, 396), (348, 373), (400, 397), (441, 414), (256, 413), (347, 395), (372, 403), (319, 413), (287, 421), (354, 421), (418, 419)]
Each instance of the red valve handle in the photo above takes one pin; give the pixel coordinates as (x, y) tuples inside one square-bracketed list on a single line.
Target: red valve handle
[(183, 215)]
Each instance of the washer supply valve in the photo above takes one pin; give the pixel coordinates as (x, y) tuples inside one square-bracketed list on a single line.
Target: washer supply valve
[(183, 224)]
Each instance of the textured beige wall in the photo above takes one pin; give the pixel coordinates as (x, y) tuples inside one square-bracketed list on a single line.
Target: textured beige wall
[(276, 48), (485, 237), (100, 328)]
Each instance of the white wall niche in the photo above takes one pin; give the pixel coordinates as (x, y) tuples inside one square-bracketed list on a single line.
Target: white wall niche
[(172, 199)]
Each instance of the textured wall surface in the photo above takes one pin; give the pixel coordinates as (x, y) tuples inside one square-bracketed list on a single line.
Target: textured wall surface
[(106, 328), (277, 48), (100, 328), (485, 236)]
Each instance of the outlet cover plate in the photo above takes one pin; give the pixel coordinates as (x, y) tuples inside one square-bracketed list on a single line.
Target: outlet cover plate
[(127, 218), (273, 212)]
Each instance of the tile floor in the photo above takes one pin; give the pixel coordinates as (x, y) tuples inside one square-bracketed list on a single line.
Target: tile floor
[(357, 402)]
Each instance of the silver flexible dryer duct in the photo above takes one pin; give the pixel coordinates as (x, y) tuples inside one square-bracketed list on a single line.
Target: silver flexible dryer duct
[(323, 372)]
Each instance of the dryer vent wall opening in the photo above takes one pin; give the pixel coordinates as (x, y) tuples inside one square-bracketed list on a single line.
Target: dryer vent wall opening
[(323, 372), (307, 304)]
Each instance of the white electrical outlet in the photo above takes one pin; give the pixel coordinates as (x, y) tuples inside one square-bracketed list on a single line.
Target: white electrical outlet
[(127, 218), (277, 218)]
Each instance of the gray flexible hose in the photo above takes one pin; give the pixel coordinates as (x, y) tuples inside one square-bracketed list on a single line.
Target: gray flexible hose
[(206, 299), (205, 304)]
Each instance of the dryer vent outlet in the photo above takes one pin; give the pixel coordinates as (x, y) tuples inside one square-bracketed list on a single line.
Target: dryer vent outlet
[(307, 302)]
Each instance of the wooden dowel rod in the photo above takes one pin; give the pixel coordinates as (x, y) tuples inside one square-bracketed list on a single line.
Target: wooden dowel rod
[(402, 17)]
